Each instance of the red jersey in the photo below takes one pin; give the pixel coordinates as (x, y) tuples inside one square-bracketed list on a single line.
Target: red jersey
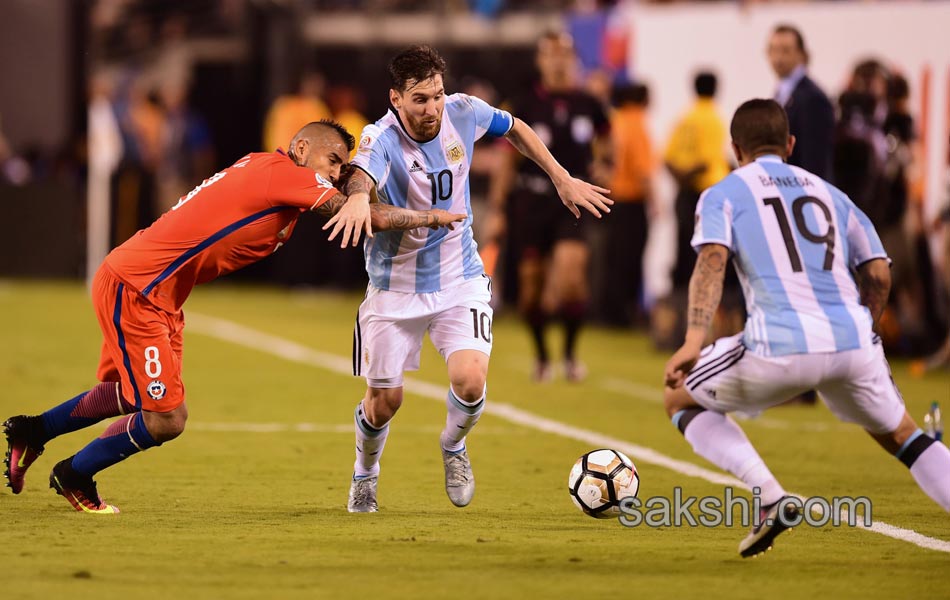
[(237, 217)]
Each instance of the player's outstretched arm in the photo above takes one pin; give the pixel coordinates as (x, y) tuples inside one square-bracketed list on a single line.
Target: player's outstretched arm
[(574, 192), (386, 217), (353, 216), (705, 292), (874, 284)]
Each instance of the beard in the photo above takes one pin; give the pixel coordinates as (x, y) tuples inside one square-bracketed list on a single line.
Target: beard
[(425, 128)]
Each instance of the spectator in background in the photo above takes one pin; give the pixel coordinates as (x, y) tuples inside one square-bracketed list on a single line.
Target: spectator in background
[(859, 152), (346, 104), (173, 60), (141, 122), (873, 78), (599, 84), (872, 159), (811, 117), (631, 190), (187, 149), (696, 158), (941, 358), (290, 112)]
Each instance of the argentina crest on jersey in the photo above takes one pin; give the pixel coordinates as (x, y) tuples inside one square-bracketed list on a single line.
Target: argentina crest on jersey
[(454, 152)]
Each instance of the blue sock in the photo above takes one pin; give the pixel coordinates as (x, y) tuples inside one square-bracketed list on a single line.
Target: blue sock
[(121, 440), (101, 402)]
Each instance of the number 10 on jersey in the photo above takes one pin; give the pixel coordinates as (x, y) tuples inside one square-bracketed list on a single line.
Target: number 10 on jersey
[(441, 185)]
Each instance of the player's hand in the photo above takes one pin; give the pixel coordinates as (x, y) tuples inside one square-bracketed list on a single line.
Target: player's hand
[(444, 218), (352, 220), (576, 193), (680, 364)]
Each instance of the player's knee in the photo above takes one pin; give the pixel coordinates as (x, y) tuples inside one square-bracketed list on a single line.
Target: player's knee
[(468, 372), (470, 388), (381, 404), (673, 401), (164, 427)]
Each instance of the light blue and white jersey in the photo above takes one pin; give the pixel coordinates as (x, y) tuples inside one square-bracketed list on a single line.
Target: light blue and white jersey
[(794, 239), (421, 176)]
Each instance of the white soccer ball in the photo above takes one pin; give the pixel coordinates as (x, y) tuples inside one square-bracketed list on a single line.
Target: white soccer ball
[(600, 479)]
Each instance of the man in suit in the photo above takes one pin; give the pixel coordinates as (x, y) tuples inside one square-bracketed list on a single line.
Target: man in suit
[(811, 116)]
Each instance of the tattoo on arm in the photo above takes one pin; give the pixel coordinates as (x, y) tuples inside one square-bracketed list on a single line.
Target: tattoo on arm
[(874, 296), (386, 217), (874, 285), (358, 181), (705, 286), (331, 206)]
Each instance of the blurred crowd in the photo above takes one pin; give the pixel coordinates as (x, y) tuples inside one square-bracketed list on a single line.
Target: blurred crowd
[(145, 127), (863, 138)]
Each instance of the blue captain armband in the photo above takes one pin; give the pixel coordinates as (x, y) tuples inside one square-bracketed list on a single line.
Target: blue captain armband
[(501, 123)]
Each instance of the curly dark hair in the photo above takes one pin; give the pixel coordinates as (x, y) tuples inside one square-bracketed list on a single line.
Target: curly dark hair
[(414, 64)]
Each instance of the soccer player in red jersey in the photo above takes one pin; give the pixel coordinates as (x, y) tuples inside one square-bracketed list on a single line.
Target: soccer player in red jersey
[(234, 218)]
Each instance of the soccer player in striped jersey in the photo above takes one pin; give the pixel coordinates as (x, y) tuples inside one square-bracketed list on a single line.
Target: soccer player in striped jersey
[(234, 218), (418, 156), (797, 243)]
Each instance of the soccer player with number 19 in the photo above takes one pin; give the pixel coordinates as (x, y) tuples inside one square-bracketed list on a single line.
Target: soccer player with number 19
[(795, 241), (418, 156)]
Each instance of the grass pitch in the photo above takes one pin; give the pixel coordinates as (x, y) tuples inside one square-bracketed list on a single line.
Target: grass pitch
[(250, 501)]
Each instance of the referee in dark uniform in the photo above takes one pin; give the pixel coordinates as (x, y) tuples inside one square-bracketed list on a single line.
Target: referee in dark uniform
[(547, 240)]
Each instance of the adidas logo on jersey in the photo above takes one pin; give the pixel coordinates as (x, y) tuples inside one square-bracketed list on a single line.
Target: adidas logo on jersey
[(415, 167)]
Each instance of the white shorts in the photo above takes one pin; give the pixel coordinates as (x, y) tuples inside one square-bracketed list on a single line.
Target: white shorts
[(390, 326), (855, 384)]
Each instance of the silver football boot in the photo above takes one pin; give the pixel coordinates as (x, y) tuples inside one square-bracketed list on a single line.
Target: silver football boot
[(459, 479), (363, 495)]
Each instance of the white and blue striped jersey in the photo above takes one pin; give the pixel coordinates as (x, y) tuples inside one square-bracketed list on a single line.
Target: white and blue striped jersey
[(794, 240), (421, 176)]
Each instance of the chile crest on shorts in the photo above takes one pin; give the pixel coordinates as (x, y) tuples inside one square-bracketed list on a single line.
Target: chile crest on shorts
[(156, 390)]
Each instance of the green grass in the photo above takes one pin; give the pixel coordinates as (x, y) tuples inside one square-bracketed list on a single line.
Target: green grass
[(220, 514)]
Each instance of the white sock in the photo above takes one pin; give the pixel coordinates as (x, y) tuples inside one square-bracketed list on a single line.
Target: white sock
[(369, 444), (459, 420), (718, 439), (931, 471)]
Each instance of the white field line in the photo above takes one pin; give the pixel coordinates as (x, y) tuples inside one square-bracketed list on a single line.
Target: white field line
[(263, 342)]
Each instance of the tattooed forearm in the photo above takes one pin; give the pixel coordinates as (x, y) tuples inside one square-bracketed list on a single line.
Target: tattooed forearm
[(705, 286), (874, 296), (874, 283), (386, 217), (357, 182), (331, 206)]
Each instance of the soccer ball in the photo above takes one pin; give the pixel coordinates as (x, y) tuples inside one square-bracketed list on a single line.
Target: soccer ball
[(600, 479)]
